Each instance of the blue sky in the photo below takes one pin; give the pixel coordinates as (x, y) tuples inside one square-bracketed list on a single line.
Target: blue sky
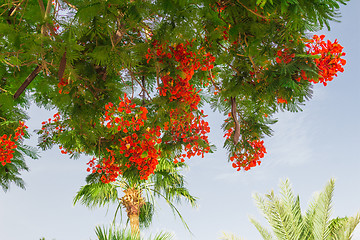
[(308, 147)]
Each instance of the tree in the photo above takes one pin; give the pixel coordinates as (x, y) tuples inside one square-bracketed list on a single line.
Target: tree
[(247, 59), (288, 222), (129, 78), (12, 152), (166, 182), (114, 234)]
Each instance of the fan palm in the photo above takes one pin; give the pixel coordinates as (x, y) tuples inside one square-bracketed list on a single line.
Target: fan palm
[(139, 198)]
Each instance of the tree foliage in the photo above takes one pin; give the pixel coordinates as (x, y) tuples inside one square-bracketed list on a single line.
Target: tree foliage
[(166, 182), (248, 59), (288, 222)]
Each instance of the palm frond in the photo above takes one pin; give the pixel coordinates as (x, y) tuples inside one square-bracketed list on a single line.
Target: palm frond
[(229, 236), (96, 194), (116, 212), (266, 234), (284, 216), (275, 214), (351, 225), (321, 218), (113, 233), (343, 228), (292, 209), (162, 236), (175, 210), (146, 214)]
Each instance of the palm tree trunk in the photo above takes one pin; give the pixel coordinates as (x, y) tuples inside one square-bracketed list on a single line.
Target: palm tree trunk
[(133, 201), (134, 224)]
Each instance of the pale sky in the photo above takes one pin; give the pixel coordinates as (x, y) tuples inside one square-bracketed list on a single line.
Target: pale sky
[(309, 148)]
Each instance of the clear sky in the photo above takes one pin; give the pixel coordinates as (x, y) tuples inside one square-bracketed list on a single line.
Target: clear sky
[(309, 148)]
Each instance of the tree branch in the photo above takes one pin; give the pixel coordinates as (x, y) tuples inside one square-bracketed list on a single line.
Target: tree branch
[(70, 5), (259, 15), (142, 87), (237, 125), (27, 81), (62, 66), (14, 10)]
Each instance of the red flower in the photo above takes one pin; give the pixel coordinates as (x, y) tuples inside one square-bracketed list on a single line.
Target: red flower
[(330, 61), (8, 144)]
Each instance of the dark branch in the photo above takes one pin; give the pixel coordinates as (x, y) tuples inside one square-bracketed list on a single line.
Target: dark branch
[(27, 81), (62, 66), (237, 125)]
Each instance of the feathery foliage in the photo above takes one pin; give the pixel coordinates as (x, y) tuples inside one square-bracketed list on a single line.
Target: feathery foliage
[(167, 182), (76, 56), (287, 222), (113, 233)]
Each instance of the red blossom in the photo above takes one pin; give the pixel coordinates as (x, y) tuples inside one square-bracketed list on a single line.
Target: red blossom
[(136, 149), (185, 126), (8, 143), (249, 158), (330, 60)]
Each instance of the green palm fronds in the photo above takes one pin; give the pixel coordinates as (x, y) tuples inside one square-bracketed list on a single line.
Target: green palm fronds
[(167, 182), (96, 195), (288, 223), (229, 236), (113, 233)]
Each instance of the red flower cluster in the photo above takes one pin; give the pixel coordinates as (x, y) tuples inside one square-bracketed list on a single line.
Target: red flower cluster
[(249, 158), (61, 85), (52, 127), (107, 167), (184, 126), (218, 7), (281, 100), (330, 61), (187, 128), (55, 119), (179, 88), (8, 144), (138, 149), (284, 56), (118, 117)]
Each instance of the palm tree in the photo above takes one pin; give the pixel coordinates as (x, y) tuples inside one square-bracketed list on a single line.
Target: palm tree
[(139, 196), (288, 223), (115, 234), (229, 236)]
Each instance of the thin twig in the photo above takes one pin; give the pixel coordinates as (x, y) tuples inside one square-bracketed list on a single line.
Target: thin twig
[(213, 81), (142, 87), (227, 49), (259, 15), (250, 57), (70, 5), (3, 89), (157, 74), (233, 68), (14, 10)]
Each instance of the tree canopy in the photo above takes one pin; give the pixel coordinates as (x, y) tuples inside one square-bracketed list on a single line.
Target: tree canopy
[(129, 78)]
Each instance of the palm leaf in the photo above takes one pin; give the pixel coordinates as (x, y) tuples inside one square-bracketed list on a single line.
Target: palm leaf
[(96, 194), (266, 234), (321, 218)]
